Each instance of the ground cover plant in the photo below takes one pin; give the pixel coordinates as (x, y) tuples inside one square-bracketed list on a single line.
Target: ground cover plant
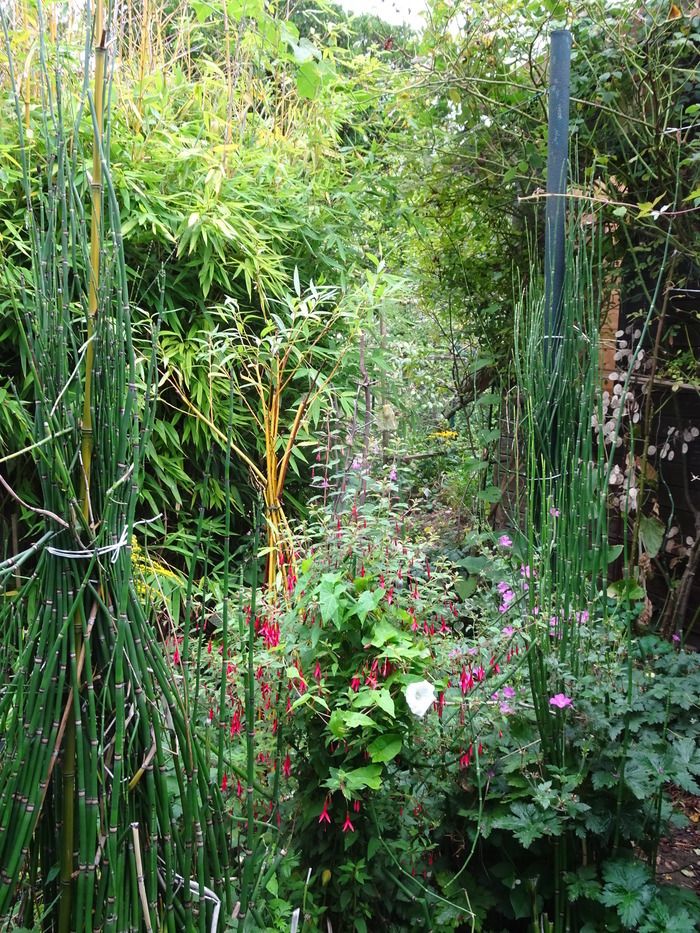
[(327, 576)]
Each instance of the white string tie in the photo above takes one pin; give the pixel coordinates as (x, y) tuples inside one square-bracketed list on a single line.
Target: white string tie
[(113, 549)]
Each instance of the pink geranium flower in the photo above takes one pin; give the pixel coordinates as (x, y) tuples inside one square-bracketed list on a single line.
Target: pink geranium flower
[(560, 700), (505, 541)]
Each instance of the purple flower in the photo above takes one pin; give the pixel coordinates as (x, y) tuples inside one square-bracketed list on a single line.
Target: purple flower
[(507, 630), (525, 571), (393, 475), (508, 692), (676, 637), (582, 616), (506, 708), (356, 464), (560, 700), (505, 541), (555, 513)]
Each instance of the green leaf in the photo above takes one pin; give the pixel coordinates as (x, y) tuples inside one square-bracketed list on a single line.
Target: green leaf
[(308, 80), (626, 589), (465, 588), (368, 602), (491, 494), (385, 747), (651, 533), (369, 776)]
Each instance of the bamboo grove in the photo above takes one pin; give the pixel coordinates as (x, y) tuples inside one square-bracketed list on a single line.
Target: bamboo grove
[(106, 803)]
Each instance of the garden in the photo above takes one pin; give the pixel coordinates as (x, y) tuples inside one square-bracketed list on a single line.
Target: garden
[(349, 467)]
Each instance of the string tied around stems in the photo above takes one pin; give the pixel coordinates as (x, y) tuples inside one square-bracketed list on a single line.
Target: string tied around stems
[(113, 549)]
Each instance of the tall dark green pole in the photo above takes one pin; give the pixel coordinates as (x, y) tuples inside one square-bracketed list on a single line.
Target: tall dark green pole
[(555, 211)]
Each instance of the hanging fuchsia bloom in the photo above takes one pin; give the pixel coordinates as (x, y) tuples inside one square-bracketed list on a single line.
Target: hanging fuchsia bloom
[(176, 656), (287, 766), (347, 825), (236, 725), (356, 806), (324, 817), (317, 672), (356, 683), (224, 783), (466, 681), (211, 714), (560, 700), (239, 790)]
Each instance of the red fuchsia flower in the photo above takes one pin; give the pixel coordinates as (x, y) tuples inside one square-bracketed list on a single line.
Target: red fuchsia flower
[(466, 757), (356, 806), (324, 817), (235, 724), (317, 672), (211, 714), (176, 656), (224, 783), (560, 700), (347, 825), (356, 683), (479, 674), (466, 680), (239, 789), (440, 703), (209, 648), (287, 766)]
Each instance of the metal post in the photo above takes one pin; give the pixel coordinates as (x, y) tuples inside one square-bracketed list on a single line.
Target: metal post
[(555, 209)]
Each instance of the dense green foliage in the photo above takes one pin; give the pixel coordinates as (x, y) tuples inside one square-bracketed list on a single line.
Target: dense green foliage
[(312, 614)]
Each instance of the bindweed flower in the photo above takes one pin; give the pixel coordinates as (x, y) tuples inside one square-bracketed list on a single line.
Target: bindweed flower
[(505, 541), (560, 700), (420, 697)]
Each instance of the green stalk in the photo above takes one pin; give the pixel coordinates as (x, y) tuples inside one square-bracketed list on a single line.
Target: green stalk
[(249, 866)]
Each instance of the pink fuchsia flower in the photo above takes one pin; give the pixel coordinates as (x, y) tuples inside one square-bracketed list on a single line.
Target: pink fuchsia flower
[(287, 766), (356, 683), (505, 541), (347, 825), (560, 700), (324, 817)]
